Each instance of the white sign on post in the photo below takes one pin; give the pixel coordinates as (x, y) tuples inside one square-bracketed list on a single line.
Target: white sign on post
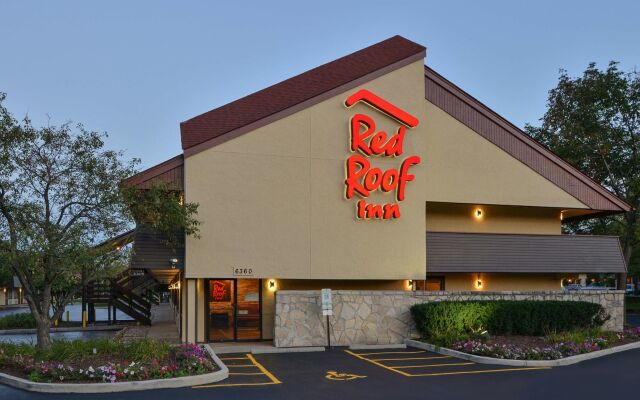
[(327, 306)]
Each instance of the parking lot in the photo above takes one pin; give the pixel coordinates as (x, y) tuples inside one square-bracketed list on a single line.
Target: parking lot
[(415, 363), (245, 371), (392, 373)]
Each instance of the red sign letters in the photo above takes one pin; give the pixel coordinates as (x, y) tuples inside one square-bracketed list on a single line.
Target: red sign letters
[(361, 178)]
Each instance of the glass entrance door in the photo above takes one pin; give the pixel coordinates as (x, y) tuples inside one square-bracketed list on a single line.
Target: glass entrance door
[(221, 309), (248, 321), (234, 309)]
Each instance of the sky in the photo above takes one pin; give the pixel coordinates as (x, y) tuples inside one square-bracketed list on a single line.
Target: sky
[(136, 69)]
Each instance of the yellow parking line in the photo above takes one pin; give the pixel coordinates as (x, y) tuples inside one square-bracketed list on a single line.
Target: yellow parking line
[(480, 371), (378, 364), (246, 373), (432, 365), (263, 369), (233, 384), (410, 358), (390, 352)]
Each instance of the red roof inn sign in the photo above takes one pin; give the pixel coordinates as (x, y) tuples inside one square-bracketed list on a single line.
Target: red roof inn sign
[(361, 178)]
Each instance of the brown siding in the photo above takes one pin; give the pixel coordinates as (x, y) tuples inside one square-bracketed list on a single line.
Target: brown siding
[(482, 252), (151, 252), (171, 171)]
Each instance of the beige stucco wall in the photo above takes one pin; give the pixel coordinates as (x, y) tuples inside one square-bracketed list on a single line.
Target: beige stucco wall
[(183, 309), (446, 217), (464, 167), (273, 199), (191, 317), (201, 311)]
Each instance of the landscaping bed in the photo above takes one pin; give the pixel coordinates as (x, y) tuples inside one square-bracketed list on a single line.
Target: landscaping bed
[(104, 360), (549, 347), (518, 330)]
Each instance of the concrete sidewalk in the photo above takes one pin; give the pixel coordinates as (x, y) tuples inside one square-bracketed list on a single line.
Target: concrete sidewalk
[(163, 326)]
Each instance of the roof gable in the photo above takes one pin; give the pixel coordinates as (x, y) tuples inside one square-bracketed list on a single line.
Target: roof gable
[(309, 88), (488, 124), (299, 92)]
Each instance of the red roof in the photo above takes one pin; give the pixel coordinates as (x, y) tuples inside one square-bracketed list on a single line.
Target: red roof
[(284, 95)]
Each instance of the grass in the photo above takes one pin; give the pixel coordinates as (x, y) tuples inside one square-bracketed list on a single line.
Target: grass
[(18, 321), (579, 336)]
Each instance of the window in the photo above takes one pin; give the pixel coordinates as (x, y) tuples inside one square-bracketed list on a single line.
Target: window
[(431, 284)]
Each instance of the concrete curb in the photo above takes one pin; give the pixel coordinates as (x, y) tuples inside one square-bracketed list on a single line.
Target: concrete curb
[(171, 383), (67, 329), (376, 346), (522, 363)]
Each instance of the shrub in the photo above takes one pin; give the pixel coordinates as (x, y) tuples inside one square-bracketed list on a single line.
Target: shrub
[(18, 321), (459, 318)]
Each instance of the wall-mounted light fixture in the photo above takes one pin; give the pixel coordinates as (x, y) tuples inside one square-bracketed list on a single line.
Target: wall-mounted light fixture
[(272, 285), (174, 262), (410, 284), (478, 213), (478, 282)]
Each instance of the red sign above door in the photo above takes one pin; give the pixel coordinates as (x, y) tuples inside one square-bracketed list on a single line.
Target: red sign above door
[(363, 179)]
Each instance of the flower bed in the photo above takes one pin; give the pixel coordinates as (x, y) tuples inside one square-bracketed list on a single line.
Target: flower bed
[(552, 347), (103, 360)]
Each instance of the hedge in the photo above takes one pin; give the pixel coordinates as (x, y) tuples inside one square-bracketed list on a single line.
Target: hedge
[(531, 318), (18, 321)]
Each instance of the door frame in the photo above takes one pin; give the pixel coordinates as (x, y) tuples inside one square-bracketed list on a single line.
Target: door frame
[(235, 310)]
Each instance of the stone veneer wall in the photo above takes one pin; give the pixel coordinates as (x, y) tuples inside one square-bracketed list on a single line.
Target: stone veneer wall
[(383, 317)]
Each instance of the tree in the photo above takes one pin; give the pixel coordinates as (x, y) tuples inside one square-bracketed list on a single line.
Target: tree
[(593, 121), (60, 197)]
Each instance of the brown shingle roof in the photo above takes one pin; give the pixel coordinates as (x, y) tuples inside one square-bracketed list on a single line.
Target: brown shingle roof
[(296, 90)]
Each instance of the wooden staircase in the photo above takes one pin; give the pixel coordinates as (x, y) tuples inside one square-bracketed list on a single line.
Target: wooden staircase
[(127, 293)]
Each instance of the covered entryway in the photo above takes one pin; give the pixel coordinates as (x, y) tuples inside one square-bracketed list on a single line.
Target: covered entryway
[(234, 309)]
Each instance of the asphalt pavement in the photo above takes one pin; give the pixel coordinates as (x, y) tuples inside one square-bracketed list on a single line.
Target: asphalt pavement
[(394, 374)]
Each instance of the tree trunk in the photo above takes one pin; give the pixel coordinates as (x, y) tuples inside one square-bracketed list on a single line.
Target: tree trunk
[(43, 326)]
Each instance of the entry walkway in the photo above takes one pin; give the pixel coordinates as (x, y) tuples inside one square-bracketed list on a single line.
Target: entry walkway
[(163, 326)]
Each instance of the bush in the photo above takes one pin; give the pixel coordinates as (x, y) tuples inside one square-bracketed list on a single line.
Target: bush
[(18, 321), (532, 318)]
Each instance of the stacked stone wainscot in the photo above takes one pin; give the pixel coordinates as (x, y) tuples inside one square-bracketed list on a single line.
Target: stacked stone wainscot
[(383, 317)]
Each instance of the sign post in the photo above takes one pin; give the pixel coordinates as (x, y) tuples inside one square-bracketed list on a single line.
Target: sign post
[(327, 310)]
